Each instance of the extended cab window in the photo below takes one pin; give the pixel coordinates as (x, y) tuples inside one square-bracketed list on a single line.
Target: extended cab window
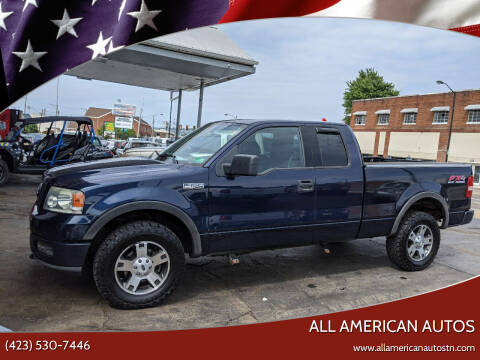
[(276, 148), (332, 149)]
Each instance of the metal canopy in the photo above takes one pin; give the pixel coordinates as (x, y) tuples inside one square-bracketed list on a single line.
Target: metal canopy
[(174, 62)]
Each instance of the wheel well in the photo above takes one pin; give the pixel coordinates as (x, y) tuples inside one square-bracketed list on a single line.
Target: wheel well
[(5, 156), (429, 206), (169, 220)]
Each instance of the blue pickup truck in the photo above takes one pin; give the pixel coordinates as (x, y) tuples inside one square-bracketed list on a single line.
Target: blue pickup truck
[(233, 187)]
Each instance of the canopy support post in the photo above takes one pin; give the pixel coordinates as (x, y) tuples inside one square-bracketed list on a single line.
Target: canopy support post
[(200, 103), (179, 110)]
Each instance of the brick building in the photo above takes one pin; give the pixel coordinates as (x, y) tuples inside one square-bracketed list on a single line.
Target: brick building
[(100, 116), (417, 126)]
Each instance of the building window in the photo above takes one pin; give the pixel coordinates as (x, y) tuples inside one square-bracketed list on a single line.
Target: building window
[(440, 117), (473, 117), (476, 175), (410, 118), (383, 119), (360, 119)]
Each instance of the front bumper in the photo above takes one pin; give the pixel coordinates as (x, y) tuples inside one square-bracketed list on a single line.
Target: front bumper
[(57, 239), (63, 256)]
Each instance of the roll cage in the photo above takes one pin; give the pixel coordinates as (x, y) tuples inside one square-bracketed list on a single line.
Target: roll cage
[(53, 150)]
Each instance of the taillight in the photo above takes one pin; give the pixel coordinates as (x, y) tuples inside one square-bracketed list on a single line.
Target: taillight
[(469, 187)]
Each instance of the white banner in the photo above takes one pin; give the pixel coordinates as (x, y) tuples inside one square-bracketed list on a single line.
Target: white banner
[(124, 110), (122, 122)]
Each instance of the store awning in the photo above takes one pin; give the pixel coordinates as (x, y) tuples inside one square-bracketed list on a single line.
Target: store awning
[(473, 107), (409, 110), (360, 113), (382, 112), (440, 108)]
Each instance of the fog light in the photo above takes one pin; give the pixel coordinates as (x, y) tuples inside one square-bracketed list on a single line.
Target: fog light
[(44, 248)]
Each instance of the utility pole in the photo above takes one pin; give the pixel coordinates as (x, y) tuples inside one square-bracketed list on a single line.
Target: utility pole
[(25, 106), (140, 119), (56, 104), (440, 82), (153, 126)]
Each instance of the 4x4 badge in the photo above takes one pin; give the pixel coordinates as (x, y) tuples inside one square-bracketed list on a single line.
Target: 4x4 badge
[(193, 186), (457, 179)]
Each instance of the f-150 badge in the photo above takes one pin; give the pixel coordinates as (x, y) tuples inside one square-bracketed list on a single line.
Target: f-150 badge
[(193, 186)]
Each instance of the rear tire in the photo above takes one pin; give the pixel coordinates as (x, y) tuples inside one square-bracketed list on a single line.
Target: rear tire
[(416, 242), (153, 258), (4, 172)]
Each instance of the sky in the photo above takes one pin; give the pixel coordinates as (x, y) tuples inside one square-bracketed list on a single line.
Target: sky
[(304, 64)]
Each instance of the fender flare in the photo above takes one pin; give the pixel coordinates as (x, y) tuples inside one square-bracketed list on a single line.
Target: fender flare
[(413, 200), (148, 205)]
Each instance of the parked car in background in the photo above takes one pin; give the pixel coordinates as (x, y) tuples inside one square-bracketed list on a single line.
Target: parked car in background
[(100, 151), (144, 149), (33, 137)]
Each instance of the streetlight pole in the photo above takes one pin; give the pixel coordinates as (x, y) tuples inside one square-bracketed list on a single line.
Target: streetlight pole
[(56, 103), (440, 82)]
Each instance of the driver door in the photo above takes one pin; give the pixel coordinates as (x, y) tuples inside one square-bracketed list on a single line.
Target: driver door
[(272, 209)]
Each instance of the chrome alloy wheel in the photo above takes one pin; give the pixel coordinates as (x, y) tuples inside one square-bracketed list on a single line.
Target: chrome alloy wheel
[(142, 268), (420, 243)]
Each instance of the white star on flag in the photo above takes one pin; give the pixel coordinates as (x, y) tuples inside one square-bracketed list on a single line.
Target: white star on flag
[(122, 7), (99, 47), (3, 16), (112, 48), (144, 17), (94, 1), (66, 24), (27, 2), (29, 57)]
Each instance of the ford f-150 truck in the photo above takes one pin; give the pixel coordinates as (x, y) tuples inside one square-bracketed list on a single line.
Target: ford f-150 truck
[(232, 187)]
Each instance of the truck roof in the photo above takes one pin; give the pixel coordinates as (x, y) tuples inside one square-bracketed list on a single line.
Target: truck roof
[(283, 121)]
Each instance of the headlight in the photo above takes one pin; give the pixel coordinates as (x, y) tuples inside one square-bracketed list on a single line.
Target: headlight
[(64, 200)]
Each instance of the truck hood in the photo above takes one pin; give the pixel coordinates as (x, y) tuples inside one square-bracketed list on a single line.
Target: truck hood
[(102, 172)]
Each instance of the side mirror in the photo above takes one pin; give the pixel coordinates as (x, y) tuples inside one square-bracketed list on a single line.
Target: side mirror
[(242, 164)]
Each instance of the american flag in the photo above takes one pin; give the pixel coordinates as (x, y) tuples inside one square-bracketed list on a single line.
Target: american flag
[(40, 39)]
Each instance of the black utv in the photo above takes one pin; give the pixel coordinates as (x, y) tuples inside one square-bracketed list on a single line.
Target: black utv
[(18, 154)]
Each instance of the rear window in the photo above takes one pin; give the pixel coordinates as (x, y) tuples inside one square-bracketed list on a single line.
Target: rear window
[(332, 149)]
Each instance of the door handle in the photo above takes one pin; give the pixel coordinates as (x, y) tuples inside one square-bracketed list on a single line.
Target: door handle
[(305, 186)]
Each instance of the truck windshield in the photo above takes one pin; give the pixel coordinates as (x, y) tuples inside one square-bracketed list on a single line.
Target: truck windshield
[(202, 144)]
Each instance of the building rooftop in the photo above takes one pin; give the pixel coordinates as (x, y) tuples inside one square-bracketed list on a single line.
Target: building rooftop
[(403, 96), (95, 112)]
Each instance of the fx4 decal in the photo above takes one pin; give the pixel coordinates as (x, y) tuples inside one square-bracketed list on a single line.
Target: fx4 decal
[(457, 179)]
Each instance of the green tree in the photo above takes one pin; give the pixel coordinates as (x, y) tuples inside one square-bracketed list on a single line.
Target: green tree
[(369, 84), (30, 128), (124, 134)]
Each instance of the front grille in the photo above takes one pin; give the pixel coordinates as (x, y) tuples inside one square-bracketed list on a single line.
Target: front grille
[(41, 194)]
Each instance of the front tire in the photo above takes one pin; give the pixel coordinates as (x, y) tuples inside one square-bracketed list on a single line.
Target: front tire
[(4, 172), (416, 242), (138, 265)]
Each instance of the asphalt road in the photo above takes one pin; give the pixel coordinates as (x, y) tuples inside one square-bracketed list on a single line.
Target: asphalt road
[(265, 286)]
